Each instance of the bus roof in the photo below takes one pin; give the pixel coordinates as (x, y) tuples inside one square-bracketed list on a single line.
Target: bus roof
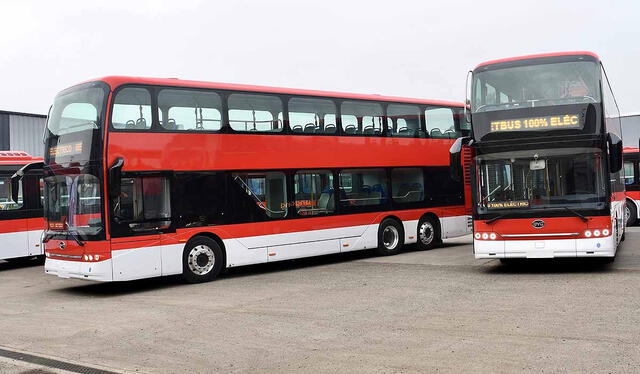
[(116, 81), (540, 55), (17, 158)]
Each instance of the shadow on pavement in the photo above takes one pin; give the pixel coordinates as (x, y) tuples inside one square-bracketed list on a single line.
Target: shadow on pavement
[(19, 263), (551, 266)]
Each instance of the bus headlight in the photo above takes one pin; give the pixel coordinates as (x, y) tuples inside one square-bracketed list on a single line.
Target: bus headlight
[(596, 232), (477, 235), (493, 236), (605, 232), (485, 236), (587, 233)]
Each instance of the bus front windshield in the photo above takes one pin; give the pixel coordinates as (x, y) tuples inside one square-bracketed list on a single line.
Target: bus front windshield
[(73, 203), (572, 178), (538, 85)]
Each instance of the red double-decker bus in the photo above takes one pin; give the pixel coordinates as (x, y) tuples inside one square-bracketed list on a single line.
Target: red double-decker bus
[(151, 177), (546, 137), (21, 221), (632, 184)]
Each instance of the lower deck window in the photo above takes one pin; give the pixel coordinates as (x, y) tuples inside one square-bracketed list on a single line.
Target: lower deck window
[(363, 187)]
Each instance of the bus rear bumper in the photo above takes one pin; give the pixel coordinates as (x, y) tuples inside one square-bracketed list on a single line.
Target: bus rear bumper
[(584, 247), (95, 271)]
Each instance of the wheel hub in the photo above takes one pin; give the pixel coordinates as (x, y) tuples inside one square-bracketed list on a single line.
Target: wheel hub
[(426, 233), (201, 259), (390, 237)]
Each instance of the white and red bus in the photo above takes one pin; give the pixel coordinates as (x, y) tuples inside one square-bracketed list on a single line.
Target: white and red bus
[(21, 222), (150, 177), (547, 146), (632, 184)]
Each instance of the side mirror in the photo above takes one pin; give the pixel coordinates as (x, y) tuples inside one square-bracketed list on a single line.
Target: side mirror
[(17, 177), (115, 178), (455, 158), (615, 152)]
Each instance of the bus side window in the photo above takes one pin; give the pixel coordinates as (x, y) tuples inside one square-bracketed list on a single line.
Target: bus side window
[(132, 109), (361, 118), (403, 121), (363, 187), (255, 113), (6, 202), (266, 191), (440, 123), (144, 203), (312, 116), (629, 176), (189, 110)]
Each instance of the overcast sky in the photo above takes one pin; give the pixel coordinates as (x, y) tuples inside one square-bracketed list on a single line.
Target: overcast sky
[(406, 48)]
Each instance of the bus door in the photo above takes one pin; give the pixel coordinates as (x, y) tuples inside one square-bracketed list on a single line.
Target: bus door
[(14, 239)]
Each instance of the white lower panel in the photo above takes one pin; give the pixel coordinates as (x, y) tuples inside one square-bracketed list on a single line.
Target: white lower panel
[(97, 271), (286, 252), (410, 231), (172, 259), (137, 263), (593, 247), (455, 226), (14, 244)]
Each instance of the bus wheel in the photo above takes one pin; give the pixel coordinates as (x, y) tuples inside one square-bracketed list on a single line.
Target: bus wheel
[(202, 260), (428, 234), (390, 237), (630, 212)]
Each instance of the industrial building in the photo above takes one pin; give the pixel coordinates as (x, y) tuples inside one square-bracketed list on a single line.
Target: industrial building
[(22, 132), (630, 129)]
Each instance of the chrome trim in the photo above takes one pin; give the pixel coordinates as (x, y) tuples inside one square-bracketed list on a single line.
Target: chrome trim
[(64, 256), (538, 235)]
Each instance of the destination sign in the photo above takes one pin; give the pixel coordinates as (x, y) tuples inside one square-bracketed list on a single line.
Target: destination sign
[(566, 121), (66, 149), (507, 204)]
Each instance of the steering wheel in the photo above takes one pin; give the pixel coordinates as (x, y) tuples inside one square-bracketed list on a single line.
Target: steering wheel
[(593, 100), (130, 124)]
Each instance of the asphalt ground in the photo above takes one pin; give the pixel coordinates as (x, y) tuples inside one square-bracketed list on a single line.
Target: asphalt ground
[(430, 311)]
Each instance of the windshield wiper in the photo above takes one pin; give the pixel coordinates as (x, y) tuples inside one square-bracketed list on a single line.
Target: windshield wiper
[(74, 235), (492, 220), (583, 218)]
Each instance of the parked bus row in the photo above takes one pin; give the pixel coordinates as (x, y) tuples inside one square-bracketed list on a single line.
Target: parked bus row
[(146, 177), (151, 177)]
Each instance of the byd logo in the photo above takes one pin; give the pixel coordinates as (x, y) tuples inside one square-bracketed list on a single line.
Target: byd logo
[(537, 224)]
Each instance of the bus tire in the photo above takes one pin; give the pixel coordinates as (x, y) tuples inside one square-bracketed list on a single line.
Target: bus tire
[(202, 260), (428, 234), (631, 213), (390, 237)]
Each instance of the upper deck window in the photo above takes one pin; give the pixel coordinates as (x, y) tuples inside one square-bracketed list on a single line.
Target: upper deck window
[(312, 116), (189, 110), (403, 121), (440, 123), (535, 86), (359, 118), (255, 113), (132, 109)]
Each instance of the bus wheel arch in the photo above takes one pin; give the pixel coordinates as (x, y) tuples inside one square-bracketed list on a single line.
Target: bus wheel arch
[(429, 231), (390, 236), (630, 212), (203, 258)]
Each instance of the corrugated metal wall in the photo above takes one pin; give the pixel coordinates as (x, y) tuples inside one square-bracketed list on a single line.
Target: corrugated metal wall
[(630, 130), (26, 134)]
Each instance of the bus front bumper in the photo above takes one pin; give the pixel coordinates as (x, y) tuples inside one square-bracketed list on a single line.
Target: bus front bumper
[(96, 271), (550, 248)]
